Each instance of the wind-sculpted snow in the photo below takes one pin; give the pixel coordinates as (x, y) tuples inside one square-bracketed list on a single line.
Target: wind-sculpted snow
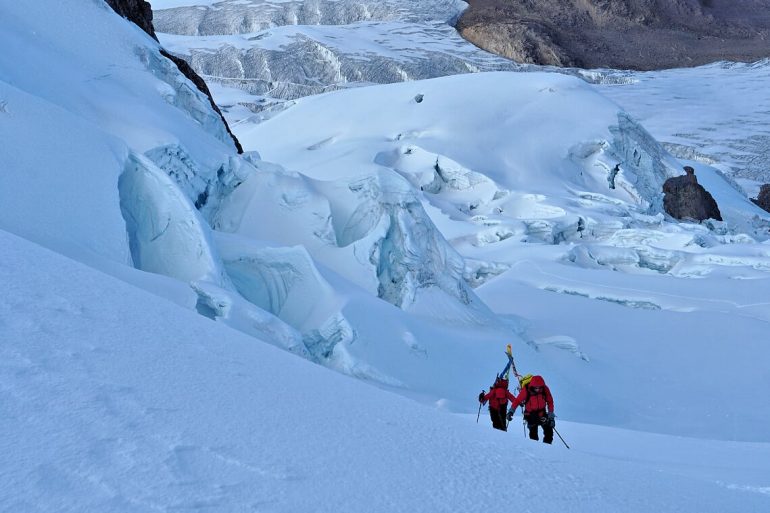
[(443, 179), (72, 152), (441, 137), (373, 230), (495, 171)]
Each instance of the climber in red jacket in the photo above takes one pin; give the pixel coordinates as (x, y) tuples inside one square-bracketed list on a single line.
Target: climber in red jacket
[(538, 408), (498, 398)]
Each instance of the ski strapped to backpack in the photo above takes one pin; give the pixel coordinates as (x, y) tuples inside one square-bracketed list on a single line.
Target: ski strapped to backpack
[(510, 364), (521, 383)]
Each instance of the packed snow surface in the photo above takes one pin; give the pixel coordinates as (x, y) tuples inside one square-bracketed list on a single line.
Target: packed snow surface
[(116, 400)]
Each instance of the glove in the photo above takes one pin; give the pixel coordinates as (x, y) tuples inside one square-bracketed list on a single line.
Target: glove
[(510, 415), (552, 419), (481, 398)]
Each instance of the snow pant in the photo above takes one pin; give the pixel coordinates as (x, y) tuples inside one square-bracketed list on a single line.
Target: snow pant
[(533, 422), (498, 417)]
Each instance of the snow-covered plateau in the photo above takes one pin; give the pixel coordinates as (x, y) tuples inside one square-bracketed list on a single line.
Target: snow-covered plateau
[(306, 326)]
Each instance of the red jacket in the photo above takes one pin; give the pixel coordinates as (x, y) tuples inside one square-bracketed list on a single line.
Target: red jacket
[(534, 402), (499, 395)]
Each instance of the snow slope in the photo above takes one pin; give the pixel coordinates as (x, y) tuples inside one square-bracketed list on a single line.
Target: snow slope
[(71, 163), (516, 170), (402, 234), (131, 169), (94, 123), (116, 400)]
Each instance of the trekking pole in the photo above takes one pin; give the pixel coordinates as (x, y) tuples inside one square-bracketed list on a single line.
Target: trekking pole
[(560, 438), (523, 421), (479, 413)]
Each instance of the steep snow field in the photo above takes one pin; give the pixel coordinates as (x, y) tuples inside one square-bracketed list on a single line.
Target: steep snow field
[(399, 234), (116, 400)]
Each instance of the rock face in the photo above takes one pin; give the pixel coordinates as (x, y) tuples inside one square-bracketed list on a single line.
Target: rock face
[(140, 13), (137, 11), (627, 34), (196, 79), (763, 198), (685, 198)]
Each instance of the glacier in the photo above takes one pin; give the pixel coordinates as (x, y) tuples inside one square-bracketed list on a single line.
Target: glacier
[(173, 311)]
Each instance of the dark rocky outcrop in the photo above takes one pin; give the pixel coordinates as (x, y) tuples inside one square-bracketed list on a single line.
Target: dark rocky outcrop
[(685, 198), (137, 11), (763, 198), (626, 34), (196, 79), (140, 13)]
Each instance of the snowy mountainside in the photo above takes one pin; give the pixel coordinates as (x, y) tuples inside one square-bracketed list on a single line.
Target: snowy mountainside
[(715, 114), (518, 173), (401, 234), (415, 204), (133, 168), (83, 182), (116, 400)]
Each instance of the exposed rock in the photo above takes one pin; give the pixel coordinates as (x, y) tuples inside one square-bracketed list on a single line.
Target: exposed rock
[(763, 198), (685, 198), (627, 34), (201, 85), (137, 11), (140, 13)]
